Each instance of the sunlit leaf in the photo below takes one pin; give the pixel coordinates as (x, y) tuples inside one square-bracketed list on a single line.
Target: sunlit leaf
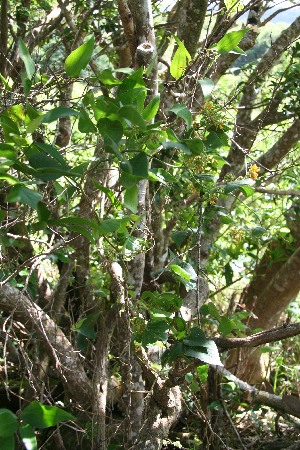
[(180, 60), (43, 416), (26, 58), (229, 43), (8, 422), (79, 58), (183, 112)]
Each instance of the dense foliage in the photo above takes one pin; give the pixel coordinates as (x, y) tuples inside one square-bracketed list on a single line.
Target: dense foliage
[(149, 207)]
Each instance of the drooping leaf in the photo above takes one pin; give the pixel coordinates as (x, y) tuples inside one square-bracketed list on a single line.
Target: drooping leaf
[(43, 416), (136, 166), (85, 125), (26, 58), (58, 113), (131, 198), (229, 43), (22, 194), (180, 60), (107, 78), (8, 151), (8, 422), (155, 331), (228, 273), (184, 113), (79, 58), (151, 109), (28, 437)]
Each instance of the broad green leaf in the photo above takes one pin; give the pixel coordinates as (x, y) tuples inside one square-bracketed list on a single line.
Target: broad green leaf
[(43, 212), (151, 109), (155, 331), (184, 113), (230, 187), (22, 194), (8, 422), (131, 198), (9, 178), (180, 60), (109, 193), (210, 355), (136, 166), (107, 78), (8, 151), (79, 58), (247, 190), (226, 326), (229, 43), (179, 237), (58, 113), (86, 325), (10, 128), (196, 338), (129, 113), (43, 416), (85, 125), (259, 231), (207, 86), (213, 311), (26, 58), (34, 124), (111, 130), (28, 437), (7, 442)]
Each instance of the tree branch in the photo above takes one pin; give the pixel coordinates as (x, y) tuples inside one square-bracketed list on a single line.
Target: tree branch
[(58, 347), (264, 337)]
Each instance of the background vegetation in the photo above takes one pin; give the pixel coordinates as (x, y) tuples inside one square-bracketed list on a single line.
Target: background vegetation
[(149, 206)]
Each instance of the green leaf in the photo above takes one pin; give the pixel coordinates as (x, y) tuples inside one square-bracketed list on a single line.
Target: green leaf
[(207, 86), (247, 190), (129, 113), (230, 187), (28, 437), (111, 130), (229, 43), (151, 109), (85, 125), (8, 423), (180, 272), (86, 326), (79, 58), (10, 179), (7, 442), (107, 78), (210, 355), (34, 124), (43, 416), (59, 113), (180, 60), (226, 326), (171, 354), (131, 198), (26, 58), (228, 274), (196, 338), (136, 166), (8, 151), (22, 194), (184, 113), (155, 331)]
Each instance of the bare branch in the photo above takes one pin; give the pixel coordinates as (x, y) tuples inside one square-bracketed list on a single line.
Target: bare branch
[(264, 337), (58, 347)]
